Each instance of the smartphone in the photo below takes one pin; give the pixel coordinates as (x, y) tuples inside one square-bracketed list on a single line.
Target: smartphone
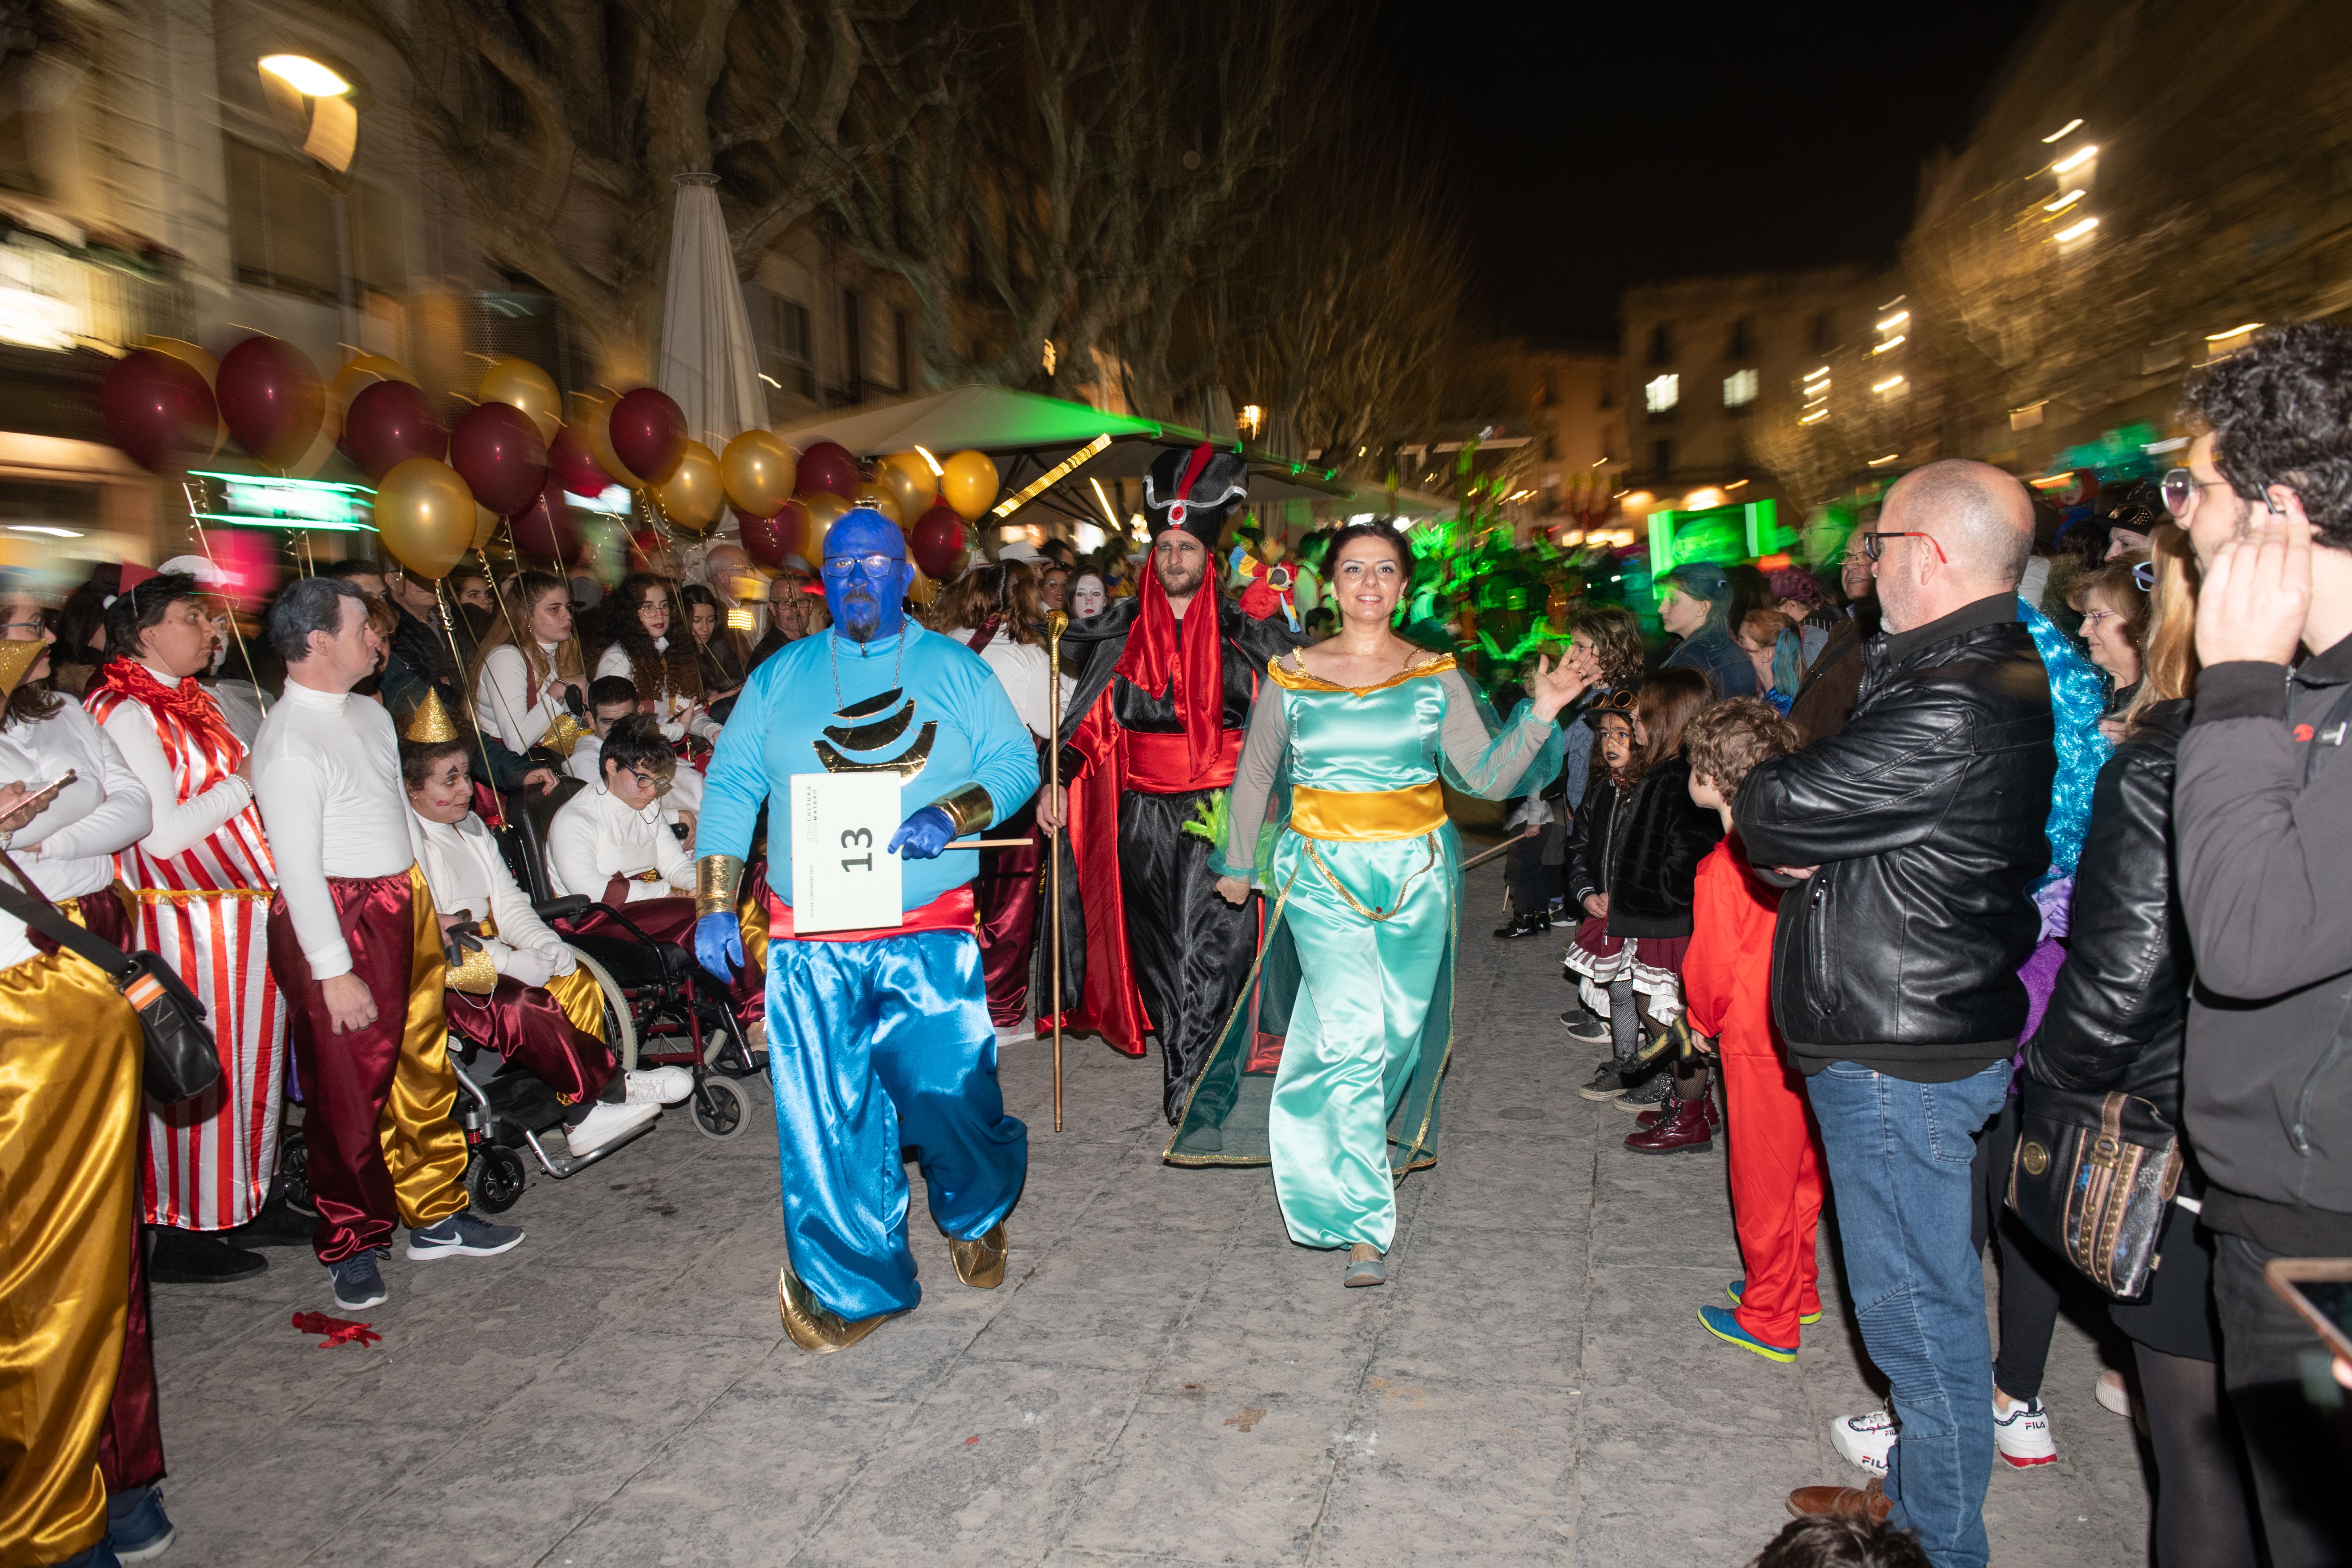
[(2321, 1289), (47, 791)]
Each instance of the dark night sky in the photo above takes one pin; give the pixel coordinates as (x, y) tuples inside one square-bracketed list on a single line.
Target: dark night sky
[(1604, 145)]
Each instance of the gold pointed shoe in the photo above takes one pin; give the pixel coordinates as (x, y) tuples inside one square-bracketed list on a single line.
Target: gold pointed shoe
[(811, 1326), (981, 1264)]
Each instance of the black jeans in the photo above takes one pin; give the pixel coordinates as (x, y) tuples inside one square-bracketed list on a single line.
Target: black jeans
[(2291, 1412)]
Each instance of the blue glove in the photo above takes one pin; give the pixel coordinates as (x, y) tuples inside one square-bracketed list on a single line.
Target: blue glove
[(719, 943), (922, 836)]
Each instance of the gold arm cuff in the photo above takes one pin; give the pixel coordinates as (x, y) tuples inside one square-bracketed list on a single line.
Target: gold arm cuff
[(716, 879), (970, 808)]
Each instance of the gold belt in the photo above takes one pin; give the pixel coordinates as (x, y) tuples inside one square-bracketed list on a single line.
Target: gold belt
[(1366, 815), (182, 895)]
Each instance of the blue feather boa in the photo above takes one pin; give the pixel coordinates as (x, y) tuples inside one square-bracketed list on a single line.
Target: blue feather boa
[(2078, 698)]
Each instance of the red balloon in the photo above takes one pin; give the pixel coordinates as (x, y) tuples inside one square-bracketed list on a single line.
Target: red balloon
[(157, 408), (270, 399), (543, 529), (648, 434), (390, 422), (500, 455), (827, 468), (768, 539), (936, 540), (572, 461)]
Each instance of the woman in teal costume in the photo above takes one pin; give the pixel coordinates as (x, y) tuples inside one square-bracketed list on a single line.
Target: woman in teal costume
[(1353, 993)]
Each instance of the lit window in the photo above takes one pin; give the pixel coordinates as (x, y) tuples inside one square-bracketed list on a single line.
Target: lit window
[(1661, 393), (1739, 388)]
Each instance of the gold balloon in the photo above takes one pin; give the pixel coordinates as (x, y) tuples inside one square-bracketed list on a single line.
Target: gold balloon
[(596, 426), (757, 470), (486, 523), (424, 515), (361, 371), (910, 482), (970, 485), (884, 503), (693, 495), (322, 448), (528, 388), (823, 512)]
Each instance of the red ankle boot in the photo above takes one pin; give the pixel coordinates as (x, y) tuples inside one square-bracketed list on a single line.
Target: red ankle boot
[(1714, 1117), (1684, 1127)]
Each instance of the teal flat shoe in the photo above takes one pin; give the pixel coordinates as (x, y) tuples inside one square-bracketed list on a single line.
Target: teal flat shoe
[(1367, 1271)]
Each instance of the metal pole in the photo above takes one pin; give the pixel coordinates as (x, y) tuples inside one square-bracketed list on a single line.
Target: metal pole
[(1054, 623)]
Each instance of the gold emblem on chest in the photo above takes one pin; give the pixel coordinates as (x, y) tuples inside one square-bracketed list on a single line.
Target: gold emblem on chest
[(876, 734)]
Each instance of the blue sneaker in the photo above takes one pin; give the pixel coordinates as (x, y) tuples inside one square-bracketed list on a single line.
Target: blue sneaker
[(136, 1525), (1719, 1321), (357, 1282), (462, 1235), (1738, 1288)]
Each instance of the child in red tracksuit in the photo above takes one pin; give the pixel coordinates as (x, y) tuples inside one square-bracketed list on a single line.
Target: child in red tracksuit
[(1776, 1174)]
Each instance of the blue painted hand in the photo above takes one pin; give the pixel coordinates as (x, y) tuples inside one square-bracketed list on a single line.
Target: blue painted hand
[(924, 834), (719, 943)]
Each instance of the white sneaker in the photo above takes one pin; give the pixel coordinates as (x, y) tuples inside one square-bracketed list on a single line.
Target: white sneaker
[(1866, 1440), (606, 1122), (2022, 1435), (659, 1086), (2112, 1395)]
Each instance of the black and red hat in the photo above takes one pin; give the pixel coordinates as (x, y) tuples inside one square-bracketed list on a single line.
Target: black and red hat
[(1194, 490)]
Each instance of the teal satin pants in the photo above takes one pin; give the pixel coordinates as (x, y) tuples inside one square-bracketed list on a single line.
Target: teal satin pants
[(1356, 1028)]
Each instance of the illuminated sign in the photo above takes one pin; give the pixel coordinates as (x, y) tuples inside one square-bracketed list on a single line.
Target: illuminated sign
[(261, 500)]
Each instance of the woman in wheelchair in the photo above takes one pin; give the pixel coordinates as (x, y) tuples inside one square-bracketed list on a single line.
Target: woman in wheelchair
[(518, 989), (610, 843)]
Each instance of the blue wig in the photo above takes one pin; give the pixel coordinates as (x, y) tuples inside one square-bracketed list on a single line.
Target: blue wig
[(2078, 698)]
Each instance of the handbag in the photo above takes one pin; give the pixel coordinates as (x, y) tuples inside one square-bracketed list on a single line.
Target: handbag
[(182, 1060), (2092, 1178)]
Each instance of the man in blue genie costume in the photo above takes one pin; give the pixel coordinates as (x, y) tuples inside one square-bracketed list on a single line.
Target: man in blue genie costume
[(877, 1040)]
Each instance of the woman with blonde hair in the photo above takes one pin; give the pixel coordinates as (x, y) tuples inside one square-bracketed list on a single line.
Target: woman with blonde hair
[(529, 663)]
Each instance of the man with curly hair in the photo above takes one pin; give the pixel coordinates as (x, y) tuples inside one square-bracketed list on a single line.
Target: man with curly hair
[(2263, 833)]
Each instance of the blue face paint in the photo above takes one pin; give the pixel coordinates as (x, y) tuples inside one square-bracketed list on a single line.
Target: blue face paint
[(867, 601)]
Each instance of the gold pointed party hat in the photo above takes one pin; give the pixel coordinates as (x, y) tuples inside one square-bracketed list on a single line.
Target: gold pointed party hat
[(16, 659), (430, 725)]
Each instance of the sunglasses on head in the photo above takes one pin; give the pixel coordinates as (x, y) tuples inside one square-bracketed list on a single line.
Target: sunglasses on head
[(2143, 575)]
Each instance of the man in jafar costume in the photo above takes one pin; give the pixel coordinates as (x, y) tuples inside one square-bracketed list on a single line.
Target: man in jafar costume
[(1149, 745), (878, 1040)]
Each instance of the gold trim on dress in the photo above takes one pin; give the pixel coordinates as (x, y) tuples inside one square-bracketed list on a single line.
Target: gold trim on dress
[(1299, 680), (1366, 815)]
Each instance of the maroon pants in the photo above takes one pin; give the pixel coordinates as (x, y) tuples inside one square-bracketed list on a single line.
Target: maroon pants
[(1006, 894), (353, 1081), (525, 1026), (131, 1444), (671, 920)]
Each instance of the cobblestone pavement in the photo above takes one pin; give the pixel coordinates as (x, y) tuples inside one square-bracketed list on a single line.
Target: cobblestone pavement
[(1162, 1377)]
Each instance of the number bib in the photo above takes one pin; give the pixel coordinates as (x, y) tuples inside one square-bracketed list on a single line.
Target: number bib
[(843, 878)]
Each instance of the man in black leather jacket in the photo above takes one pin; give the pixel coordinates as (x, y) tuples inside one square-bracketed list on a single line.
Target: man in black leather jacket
[(1916, 835)]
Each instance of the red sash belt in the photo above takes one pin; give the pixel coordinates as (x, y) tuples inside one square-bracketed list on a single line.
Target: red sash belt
[(951, 911), (1161, 764)]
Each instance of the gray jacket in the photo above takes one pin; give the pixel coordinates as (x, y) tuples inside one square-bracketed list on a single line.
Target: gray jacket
[(2264, 862)]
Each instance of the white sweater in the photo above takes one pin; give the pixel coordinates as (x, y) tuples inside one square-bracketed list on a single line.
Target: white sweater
[(327, 772), (68, 848), (596, 838), (178, 826), (465, 871), (1022, 671), (501, 699), (679, 715)]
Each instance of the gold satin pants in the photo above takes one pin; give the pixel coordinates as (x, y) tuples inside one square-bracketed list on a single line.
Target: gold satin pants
[(582, 1001), (70, 1049), (424, 1148)]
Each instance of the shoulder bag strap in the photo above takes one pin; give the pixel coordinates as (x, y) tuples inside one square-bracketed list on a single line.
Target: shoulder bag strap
[(50, 922)]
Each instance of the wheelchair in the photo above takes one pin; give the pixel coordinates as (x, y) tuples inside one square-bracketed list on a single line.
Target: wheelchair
[(662, 1009)]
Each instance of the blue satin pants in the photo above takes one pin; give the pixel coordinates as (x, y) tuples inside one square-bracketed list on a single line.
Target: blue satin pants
[(875, 1046)]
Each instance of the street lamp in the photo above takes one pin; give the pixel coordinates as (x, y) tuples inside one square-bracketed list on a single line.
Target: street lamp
[(306, 76)]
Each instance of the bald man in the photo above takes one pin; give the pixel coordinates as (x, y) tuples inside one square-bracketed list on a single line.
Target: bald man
[(1914, 837)]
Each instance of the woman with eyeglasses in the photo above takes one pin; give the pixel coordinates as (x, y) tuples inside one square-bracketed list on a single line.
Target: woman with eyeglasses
[(665, 669), (2114, 604), (2117, 1021)]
